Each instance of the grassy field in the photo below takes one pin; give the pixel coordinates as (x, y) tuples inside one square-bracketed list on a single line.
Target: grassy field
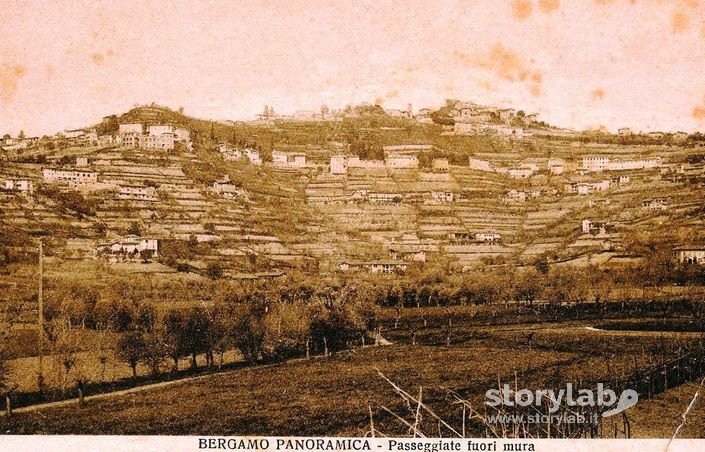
[(333, 396)]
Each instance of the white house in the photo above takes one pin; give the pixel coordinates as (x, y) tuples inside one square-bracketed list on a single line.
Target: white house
[(490, 236), (392, 266), (690, 255), (19, 185), (440, 165), (253, 156), (227, 189), (137, 193), (515, 195), (555, 166), (625, 132), (480, 165), (521, 172), (442, 196), (339, 164), (401, 160), (375, 197), (289, 159), (595, 163), (71, 176)]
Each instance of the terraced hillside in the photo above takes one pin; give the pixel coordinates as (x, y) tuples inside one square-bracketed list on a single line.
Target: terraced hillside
[(305, 218)]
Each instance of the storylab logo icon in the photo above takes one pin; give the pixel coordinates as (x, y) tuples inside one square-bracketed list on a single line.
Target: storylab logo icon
[(600, 397)]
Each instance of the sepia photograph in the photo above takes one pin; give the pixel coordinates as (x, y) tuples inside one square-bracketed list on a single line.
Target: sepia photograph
[(320, 225)]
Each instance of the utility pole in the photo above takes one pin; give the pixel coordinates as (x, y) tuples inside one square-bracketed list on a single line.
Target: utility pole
[(40, 308)]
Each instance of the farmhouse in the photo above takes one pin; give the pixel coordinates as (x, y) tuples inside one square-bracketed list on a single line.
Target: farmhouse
[(412, 253), (440, 165), (19, 185), (227, 189), (625, 132), (556, 166), (690, 255), (490, 236), (378, 197), (521, 172), (655, 204), (391, 266), (404, 156), (585, 188), (480, 165), (516, 195), (460, 237), (131, 245), (137, 193), (594, 228), (253, 156), (229, 151), (289, 159), (356, 162), (338, 164), (71, 176), (442, 196)]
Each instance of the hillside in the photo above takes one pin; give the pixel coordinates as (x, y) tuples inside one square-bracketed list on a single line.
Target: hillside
[(305, 218)]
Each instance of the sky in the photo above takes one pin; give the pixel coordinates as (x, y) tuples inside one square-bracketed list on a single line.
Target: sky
[(578, 63)]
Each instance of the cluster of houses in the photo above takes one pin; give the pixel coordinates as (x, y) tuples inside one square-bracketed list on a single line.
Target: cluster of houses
[(230, 152), (470, 118), (463, 237), (595, 228), (378, 266), (676, 136), (153, 137), (129, 247), (655, 204)]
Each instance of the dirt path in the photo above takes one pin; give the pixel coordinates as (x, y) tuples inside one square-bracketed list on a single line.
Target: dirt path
[(163, 384)]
